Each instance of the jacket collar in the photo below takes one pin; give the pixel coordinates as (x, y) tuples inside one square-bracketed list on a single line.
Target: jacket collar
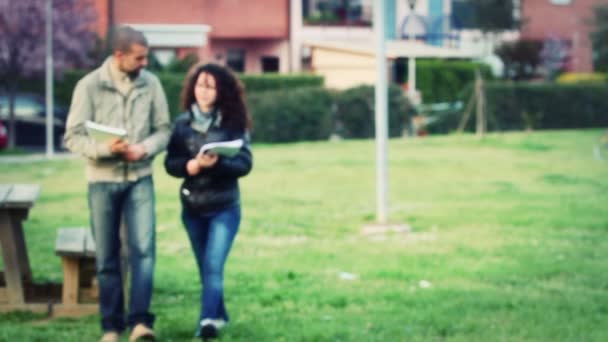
[(216, 116), (105, 76)]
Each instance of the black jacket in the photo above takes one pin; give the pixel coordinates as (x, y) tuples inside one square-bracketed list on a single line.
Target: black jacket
[(212, 189)]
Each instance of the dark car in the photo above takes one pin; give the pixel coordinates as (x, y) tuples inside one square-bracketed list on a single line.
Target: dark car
[(30, 120), (3, 136)]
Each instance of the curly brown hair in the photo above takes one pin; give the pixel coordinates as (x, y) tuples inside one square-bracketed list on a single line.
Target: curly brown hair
[(230, 95)]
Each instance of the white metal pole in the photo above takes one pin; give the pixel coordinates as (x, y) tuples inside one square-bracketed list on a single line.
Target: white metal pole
[(381, 116), (295, 21), (411, 77), (49, 79)]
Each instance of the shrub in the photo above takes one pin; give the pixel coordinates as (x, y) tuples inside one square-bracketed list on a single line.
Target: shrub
[(441, 80), (265, 82), (521, 58), (287, 108), (581, 77), (517, 106), (552, 106), (355, 112), (173, 82), (291, 115)]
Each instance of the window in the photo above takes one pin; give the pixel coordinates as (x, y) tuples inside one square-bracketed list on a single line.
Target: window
[(164, 56), (400, 70), (235, 59), (463, 15), (337, 12), (270, 64)]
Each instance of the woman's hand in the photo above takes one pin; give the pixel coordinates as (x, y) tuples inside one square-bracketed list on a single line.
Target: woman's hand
[(195, 165), (206, 160)]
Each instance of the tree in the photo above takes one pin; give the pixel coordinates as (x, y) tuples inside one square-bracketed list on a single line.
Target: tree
[(488, 16), (22, 42), (521, 58), (554, 57), (485, 15), (599, 37)]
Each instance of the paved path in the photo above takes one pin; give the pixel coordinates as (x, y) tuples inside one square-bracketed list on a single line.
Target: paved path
[(34, 157)]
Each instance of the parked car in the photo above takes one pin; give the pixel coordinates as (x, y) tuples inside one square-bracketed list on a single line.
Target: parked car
[(29, 105), (30, 120), (3, 136)]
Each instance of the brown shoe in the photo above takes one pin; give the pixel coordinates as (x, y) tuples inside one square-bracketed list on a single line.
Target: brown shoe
[(110, 336), (141, 333)]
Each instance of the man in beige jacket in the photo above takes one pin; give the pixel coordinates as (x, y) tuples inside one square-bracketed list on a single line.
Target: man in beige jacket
[(122, 94)]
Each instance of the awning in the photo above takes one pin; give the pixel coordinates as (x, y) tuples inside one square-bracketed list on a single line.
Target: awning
[(174, 35), (396, 49)]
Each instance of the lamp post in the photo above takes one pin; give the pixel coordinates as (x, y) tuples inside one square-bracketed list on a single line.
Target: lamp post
[(49, 80), (381, 116), (381, 121), (411, 61)]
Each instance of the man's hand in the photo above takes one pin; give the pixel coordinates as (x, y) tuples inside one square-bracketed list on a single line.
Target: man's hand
[(119, 146), (135, 152)]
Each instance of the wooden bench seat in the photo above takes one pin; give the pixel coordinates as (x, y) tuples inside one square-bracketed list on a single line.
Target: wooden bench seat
[(76, 248)]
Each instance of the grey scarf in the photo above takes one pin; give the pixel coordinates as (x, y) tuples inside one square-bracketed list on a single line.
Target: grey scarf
[(203, 120)]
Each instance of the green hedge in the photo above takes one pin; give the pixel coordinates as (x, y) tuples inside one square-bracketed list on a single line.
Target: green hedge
[(518, 106), (355, 112), (546, 106), (316, 113), (443, 80), (286, 108), (173, 82), (264, 82), (64, 86), (294, 115)]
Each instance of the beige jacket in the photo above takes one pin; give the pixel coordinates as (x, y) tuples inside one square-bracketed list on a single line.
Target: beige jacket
[(143, 113)]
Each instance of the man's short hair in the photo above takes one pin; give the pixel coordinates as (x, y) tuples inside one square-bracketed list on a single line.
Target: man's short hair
[(125, 36)]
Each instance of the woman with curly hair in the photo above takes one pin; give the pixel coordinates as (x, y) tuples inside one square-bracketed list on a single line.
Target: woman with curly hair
[(210, 196)]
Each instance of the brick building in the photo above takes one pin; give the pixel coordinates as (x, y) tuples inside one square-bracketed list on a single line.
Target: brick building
[(566, 20), (249, 36)]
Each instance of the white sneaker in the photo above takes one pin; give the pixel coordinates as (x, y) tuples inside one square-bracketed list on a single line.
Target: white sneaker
[(210, 328), (142, 332), (217, 323), (110, 336)]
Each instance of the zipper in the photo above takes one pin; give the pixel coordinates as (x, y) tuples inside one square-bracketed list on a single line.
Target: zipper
[(125, 165)]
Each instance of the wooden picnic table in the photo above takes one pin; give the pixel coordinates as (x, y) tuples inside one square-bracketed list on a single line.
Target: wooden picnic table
[(17, 289), (15, 202)]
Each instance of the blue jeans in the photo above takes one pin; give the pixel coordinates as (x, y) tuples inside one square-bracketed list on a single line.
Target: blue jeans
[(211, 236), (109, 201)]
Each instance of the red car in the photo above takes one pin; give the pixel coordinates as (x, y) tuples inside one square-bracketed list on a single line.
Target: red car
[(3, 136)]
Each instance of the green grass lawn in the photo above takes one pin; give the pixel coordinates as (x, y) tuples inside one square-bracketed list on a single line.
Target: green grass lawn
[(509, 242)]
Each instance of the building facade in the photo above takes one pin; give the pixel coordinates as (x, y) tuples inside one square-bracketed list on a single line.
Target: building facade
[(565, 21), (434, 22), (249, 36), (273, 35), (335, 38)]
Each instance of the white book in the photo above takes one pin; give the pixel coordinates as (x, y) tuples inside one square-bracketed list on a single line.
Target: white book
[(104, 133), (223, 148)]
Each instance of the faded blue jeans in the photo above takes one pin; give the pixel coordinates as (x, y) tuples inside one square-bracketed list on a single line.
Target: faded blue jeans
[(109, 201), (211, 236)]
